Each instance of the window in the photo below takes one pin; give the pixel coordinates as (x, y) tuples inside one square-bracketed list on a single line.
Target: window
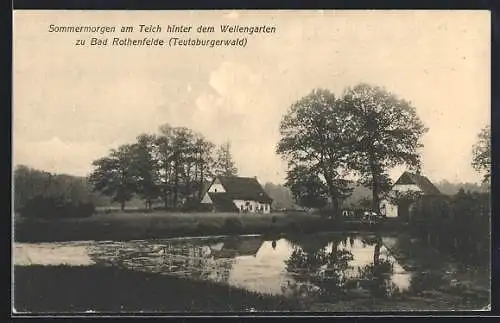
[(250, 207)]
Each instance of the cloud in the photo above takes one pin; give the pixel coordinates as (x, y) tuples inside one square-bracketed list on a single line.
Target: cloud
[(102, 97)]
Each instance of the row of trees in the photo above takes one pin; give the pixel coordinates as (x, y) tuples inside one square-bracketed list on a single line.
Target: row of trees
[(29, 183), (481, 154), (361, 135), (454, 215), (43, 194), (334, 143), (173, 165)]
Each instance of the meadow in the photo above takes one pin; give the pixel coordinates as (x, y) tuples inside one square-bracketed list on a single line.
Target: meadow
[(134, 225)]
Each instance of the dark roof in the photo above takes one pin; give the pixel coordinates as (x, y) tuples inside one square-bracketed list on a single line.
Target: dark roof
[(205, 186), (240, 247), (244, 188), (223, 202), (421, 181)]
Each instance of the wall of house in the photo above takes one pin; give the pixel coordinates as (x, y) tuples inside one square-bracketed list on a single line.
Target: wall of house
[(391, 210), (206, 199), (406, 188), (216, 188), (252, 206)]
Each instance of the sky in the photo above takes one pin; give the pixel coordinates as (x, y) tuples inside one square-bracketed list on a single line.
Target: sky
[(72, 104)]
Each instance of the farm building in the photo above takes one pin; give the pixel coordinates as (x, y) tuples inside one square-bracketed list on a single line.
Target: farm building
[(408, 189), (237, 194)]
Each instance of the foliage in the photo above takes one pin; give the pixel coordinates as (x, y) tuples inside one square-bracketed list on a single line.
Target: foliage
[(482, 154), (56, 207), (364, 133), (185, 164), (173, 165), (144, 154), (376, 277), (115, 175), (307, 188), (448, 188), (224, 164), (315, 139), (432, 208), (37, 193), (388, 132), (326, 270), (282, 196), (466, 219), (366, 203)]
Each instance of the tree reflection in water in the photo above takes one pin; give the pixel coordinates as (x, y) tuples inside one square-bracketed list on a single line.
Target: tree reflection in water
[(376, 277), (326, 274)]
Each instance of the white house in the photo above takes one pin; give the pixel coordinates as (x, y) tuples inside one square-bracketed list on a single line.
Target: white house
[(407, 189), (237, 194)]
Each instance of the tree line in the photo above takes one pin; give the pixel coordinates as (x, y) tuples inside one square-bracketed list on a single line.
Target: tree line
[(331, 143), (173, 166), (43, 194)]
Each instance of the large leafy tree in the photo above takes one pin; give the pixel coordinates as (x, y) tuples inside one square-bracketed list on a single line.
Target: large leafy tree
[(388, 133), (316, 136), (146, 171), (204, 161), (481, 153), (115, 175), (224, 163), (182, 160), (164, 142), (307, 188)]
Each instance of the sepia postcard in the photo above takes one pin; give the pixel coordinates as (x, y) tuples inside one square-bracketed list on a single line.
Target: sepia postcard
[(227, 161)]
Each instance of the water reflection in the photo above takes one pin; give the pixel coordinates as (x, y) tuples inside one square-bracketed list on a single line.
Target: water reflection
[(326, 267), (322, 266), (347, 265)]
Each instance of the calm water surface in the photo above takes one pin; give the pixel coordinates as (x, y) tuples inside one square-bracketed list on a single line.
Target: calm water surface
[(321, 265)]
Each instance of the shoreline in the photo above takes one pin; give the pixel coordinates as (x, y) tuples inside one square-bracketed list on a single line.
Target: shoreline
[(139, 226)]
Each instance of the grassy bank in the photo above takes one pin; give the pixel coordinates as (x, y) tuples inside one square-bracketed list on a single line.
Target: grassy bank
[(40, 289), (104, 289), (131, 226)]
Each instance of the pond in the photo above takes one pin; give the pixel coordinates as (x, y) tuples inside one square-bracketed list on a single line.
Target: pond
[(321, 267)]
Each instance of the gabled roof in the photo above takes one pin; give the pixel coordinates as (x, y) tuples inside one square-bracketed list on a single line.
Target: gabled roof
[(223, 202), (205, 186), (240, 247), (244, 188), (421, 181)]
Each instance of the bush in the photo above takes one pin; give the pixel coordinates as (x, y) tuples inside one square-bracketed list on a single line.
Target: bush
[(56, 208)]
